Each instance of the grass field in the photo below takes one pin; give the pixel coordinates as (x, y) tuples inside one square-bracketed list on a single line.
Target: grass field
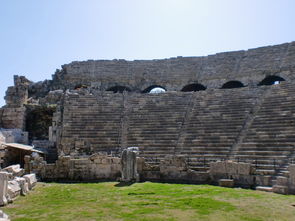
[(149, 201)]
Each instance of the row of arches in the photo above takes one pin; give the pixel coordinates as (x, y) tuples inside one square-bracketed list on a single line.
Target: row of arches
[(270, 80)]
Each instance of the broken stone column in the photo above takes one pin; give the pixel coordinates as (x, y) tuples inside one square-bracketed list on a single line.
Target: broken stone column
[(129, 166), (3, 188)]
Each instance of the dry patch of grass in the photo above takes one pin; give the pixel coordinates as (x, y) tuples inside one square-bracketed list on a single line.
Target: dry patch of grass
[(149, 201)]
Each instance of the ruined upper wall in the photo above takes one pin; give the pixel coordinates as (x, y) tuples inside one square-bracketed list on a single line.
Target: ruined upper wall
[(249, 67)]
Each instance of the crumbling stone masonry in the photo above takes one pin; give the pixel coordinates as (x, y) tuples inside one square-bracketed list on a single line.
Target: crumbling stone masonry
[(13, 183)]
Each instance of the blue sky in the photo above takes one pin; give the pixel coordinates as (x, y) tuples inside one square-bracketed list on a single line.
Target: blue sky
[(37, 36)]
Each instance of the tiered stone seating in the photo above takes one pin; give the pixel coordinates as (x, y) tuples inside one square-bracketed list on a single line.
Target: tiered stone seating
[(253, 126), (270, 141), (93, 120), (216, 121), (155, 122)]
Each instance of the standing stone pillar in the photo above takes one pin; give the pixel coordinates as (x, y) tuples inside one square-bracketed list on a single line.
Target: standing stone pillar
[(128, 166), (3, 188)]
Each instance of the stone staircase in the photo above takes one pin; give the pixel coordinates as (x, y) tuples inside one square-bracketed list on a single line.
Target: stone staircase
[(216, 121), (270, 141), (155, 121), (255, 125), (93, 122)]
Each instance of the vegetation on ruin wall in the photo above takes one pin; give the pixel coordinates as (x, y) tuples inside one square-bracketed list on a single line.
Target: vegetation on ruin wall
[(149, 201), (38, 120)]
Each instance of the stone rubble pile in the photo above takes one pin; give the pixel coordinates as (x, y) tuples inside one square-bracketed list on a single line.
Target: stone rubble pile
[(13, 183)]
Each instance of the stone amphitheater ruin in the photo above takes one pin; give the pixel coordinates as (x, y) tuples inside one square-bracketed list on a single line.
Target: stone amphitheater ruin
[(227, 118)]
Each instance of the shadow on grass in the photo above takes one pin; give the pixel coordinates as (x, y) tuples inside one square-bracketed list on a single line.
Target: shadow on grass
[(122, 184)]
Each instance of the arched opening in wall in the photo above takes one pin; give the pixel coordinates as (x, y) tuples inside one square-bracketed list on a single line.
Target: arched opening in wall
[(270, 80), (232, 84), (38, 121), (193, 87), (119, 89), (154, 89)]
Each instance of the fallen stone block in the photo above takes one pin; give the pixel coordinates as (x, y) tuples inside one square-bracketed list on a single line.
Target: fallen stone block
[(13, 189), (226, 182), (264, 188), (280, 189), (23, 185), (3, 216), (31, 180), (16, 170)]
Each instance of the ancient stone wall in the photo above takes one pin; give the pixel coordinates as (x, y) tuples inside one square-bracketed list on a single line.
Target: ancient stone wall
[(17, 95), (14, 117), (14, 136), (242, 174), (250, 67), (87, 168)]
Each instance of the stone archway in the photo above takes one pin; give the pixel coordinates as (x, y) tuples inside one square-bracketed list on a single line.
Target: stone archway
[(193, 87), (232, 84), (270, 80)]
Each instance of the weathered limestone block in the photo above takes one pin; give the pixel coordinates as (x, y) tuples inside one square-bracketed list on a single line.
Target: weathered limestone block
[(231, 167), (263, 180), (282, 181), (173, 164), (23, 185), (218, 167), (3, 216), (226, 182), (3, 188), (13, 189), (16, 170), (31, 180), (241, 173), (129, 166), (245, 169), (280, 189), (140, 164)]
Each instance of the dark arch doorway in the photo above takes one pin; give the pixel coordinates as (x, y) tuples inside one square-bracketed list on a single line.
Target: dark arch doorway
[(193, 87), (270, 80), (232, 84), (154, 89), (119, 89)]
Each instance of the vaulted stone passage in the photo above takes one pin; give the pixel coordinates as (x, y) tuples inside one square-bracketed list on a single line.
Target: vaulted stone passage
[(193, 87), (270, 80), (232, 84), (119, 89), (154, 89), (38, 121)]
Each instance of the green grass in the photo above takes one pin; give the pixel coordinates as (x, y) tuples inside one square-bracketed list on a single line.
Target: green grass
[(149, 201)]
